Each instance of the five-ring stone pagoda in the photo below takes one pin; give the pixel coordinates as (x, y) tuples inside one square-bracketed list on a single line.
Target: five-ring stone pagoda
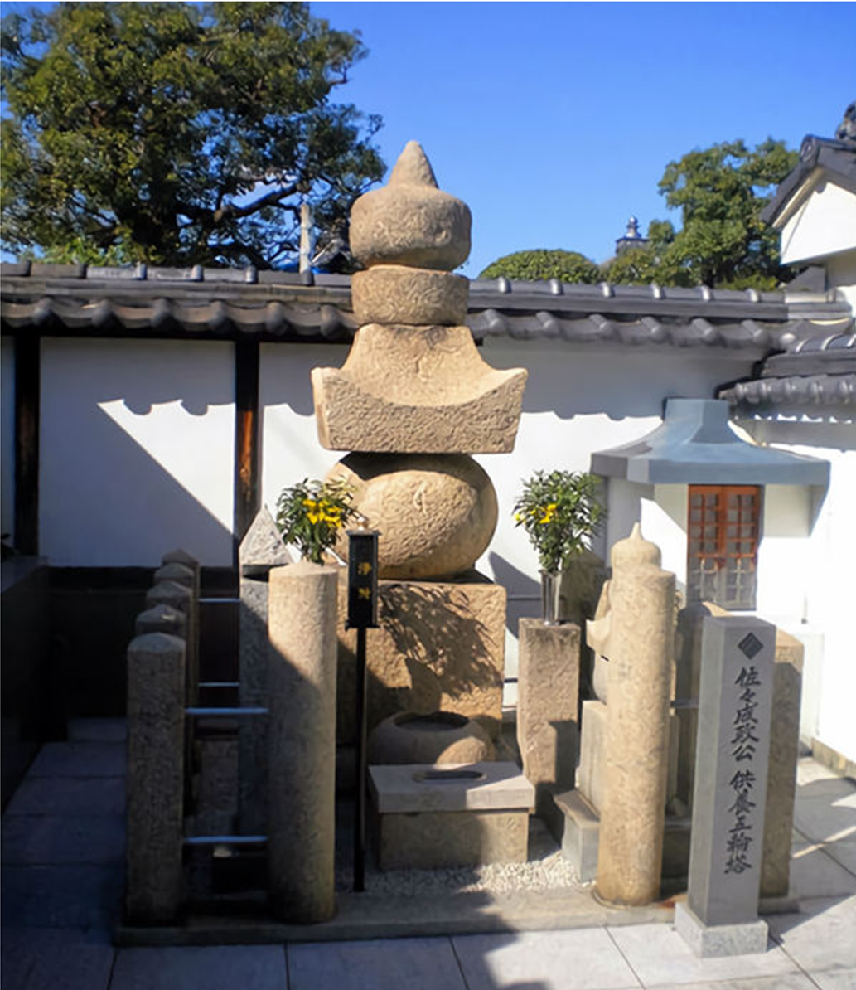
[(412, 402)]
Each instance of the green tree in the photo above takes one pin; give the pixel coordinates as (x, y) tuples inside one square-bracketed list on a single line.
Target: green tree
[(177, 133), (567, 266)]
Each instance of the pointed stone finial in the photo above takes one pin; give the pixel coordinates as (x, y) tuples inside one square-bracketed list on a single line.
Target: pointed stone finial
[(263, 546), (635, 550), (411, 221), (413, 168)]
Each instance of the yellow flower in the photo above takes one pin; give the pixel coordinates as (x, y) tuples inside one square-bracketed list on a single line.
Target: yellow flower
[(548, 512), (310, 503), (314, 517)]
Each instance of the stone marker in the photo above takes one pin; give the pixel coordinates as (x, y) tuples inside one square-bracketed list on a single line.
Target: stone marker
[(436, 816), (181, 597), (193, 636), (302, 741), (155, 781), (720, 917), (260, 550), (180, 573), (547, 711), (636, 635)]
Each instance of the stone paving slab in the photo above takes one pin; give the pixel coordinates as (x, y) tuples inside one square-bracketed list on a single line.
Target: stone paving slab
[(239, 967), (80, 759), (815, 873), (787, 981), (98, 730), (843, 852), (843, 979), (52, 839), (45, 959), (83, 897), (827, 818), (570, 960), (68, 796), (822, 937), (414, 964), (659, 956)]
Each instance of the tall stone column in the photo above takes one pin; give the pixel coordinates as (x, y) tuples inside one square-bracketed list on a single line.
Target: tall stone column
[(412, 402), (155, 777), (302, 741), (637, 639)]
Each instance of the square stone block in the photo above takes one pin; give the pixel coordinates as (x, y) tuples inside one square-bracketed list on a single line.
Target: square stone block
[(431, 817), (592, 753), (717, 941), (440, 646), (580, 835)]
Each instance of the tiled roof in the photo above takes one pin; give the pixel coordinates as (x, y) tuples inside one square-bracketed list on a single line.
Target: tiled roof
[(223, 303), (836, 158)]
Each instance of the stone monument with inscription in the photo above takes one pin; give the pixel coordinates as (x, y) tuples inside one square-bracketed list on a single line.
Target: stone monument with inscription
[(720, 917)]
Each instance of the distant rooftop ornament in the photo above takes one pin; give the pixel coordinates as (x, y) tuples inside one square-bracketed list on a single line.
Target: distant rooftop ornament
[(632, 238), (695, 445)]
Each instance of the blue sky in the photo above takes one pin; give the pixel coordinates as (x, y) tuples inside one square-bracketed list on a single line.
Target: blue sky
[(555, 121)]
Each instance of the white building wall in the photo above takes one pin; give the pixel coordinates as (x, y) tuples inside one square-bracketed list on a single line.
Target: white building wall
[(841, 275), (823, 222), (825, 563), (7, 435), (136, 451)]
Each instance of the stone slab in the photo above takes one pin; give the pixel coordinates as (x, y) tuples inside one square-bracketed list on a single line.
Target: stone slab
[(547, 707), (440, 646), (211, 968), (589, 775), (731, 769), (580, 835), (79, 759), (418, 964), (449, 787), (73, 796), (60, 896), (715, 941), (55, 959), (422, 390), (435, 840), (62, 839)]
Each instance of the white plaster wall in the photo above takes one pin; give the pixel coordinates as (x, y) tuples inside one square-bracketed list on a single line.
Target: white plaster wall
[(137, 451), (7, 435), (824, 222), (664, 522), (825, 569), (290, 447), (841, 275), (784, 555)]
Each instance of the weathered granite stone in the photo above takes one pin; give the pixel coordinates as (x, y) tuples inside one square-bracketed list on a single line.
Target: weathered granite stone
[(216, 797), (394, 294), (637, 637), (170, 593), (441, 737), (731, 771), (183, 598), (155, 781), (441, 645), (784, 738), (302, 741), (161, 619), (180, 573), (718, 941), (547, 707), (590, 771), (436, 514), (580, 834), (260, 550), (410, 221), (417, 390), (431, 817)]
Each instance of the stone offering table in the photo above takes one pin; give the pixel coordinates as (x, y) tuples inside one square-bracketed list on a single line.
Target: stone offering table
[(431, 815)]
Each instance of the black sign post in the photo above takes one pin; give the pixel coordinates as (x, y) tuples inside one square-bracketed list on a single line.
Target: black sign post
[(362, 615)]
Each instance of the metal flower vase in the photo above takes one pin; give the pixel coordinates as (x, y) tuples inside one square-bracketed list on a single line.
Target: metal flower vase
[(552, 601)]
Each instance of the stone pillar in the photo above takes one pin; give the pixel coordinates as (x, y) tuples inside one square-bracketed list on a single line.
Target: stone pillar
[(302, 741), (637, 638), (161, 619), (720, 917), (260, 550), (155, 779), (183, 559), (547, 711)]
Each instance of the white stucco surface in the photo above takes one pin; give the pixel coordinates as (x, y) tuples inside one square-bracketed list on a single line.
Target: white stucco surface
[(7, 434), (137, 451), (821, 222), (823, 565), (841, 275)]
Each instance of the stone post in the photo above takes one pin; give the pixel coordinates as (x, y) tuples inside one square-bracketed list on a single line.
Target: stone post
[(547, 711), (638, 644), (155, 780), (720, 917), (193, 638), (302, 741), (161, 619), (260, 550)]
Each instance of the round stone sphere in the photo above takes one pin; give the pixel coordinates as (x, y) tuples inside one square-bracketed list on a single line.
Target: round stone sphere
[(442, 737), (436, 512)]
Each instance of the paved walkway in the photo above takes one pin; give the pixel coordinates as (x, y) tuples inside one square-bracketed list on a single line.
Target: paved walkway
[(63, 844)]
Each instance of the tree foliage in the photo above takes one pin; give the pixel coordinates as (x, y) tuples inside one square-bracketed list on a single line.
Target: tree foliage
[(177, 133), (567, 266), (722, 241)]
